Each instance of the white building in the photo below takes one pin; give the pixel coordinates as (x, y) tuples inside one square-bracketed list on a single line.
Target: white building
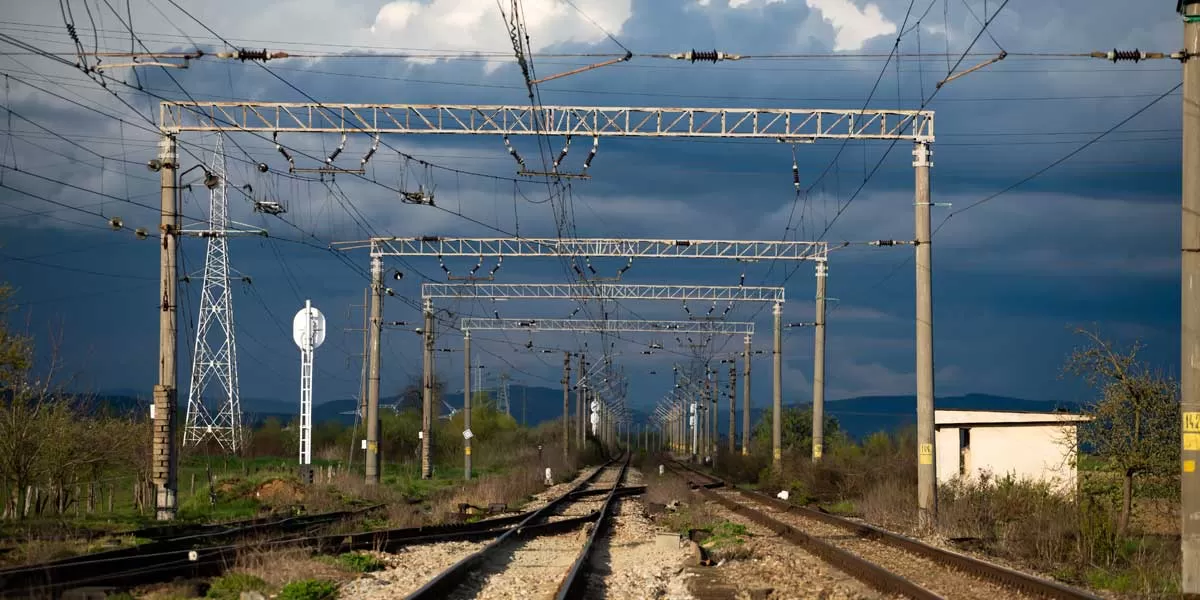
[(1028, 445)]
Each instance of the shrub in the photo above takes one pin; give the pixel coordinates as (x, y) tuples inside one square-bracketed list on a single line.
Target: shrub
[(360, 562), (231, 586), (309, 589)]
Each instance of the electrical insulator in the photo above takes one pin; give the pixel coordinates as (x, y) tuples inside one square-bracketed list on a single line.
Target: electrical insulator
[(713, 56), (796, 175), (513, 152), (883, 243), (1115, 55), (374, 146)]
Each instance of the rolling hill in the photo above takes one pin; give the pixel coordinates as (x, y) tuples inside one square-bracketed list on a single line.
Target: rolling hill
[(858, 417)]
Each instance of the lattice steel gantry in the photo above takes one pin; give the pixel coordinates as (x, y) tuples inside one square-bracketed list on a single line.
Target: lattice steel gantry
[(375, 120), (605, 291), (469, 324)]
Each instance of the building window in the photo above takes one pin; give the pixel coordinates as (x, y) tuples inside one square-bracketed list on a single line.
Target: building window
[(964, 451)]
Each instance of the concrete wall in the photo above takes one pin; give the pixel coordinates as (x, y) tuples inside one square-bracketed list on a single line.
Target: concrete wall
[(1025, 451)]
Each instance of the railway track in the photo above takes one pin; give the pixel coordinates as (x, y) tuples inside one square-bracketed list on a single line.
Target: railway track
[(887, 561), (176, 551), (547, 555)]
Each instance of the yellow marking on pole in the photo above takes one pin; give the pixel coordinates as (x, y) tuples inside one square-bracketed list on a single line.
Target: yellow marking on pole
[(1191, 422), (817, 450), (925, 454), (778, 454), (467, 450), (1191, 441), (1189, 466)]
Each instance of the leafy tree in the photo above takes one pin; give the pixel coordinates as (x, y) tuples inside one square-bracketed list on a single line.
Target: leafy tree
[(797, 429), (1135, 421)]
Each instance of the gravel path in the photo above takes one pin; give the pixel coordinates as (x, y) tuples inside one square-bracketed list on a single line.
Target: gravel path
[(534, 568), (786, 569), (922, 571), (408, 569), (630, 565), (530, 569), (543, 498)]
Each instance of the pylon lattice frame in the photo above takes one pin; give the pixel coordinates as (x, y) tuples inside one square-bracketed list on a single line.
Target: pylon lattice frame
[(215, 361), (609, 325)]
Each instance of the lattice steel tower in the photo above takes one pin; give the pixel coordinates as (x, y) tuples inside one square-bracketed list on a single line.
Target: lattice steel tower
[(214, 361), (502, 403)]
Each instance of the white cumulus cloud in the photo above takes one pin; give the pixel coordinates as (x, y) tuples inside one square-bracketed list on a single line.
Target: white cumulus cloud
[(853, 26), (470, 25)]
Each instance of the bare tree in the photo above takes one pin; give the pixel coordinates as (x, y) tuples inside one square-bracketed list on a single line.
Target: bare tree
[(1135, 421)]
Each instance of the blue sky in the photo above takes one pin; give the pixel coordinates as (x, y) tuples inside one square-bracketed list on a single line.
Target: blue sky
[(1093, 240)]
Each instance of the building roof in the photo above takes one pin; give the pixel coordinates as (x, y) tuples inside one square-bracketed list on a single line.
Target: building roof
[(1003, 418)]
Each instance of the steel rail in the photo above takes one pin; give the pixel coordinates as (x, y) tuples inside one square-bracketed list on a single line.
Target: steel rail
[(67, 569), (1017, 580), (161, 561), (574, 585), (444, 583), (859, 568)]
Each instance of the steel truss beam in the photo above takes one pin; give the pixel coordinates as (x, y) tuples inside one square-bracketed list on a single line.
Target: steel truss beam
[(603, 291), (786, 124), (592, 247), (594, 325)]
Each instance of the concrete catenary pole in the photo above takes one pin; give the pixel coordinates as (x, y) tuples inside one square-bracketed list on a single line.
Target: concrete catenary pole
[(366, 350), (732, 410), (164, 462), (818, 424), (746, 399), (427, 395), (566, 383), (926, 469), (1190, 319), (580, 407), (375, 332), (714, 394), (777, 392), (466, 404)]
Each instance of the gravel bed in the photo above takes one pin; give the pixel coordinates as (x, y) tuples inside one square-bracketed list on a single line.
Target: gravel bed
[(544, 497), (531, 568), (924, 572), (788, 570), (629, 564), (606, 479), (408, 569)]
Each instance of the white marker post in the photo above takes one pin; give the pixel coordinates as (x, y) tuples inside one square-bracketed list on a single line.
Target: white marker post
[(308, 331)]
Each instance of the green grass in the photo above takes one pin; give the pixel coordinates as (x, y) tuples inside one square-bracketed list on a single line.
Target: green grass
[(845, 508), (359, 562)]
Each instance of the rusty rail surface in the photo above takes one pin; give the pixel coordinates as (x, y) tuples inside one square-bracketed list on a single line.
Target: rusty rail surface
[(444, 583), (863, 570), (575, 585), (1023, 582), (182, 557)]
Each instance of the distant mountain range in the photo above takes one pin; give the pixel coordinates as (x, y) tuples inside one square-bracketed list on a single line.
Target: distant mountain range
[(858, 417)]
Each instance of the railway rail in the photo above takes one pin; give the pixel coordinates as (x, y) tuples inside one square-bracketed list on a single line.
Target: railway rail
[(540, 535), (191, 552), (887, 561)]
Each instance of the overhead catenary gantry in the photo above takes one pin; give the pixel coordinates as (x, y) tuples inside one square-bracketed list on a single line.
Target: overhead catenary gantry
[(603, 291), (788, 125), (739, 250), (468, 324), (610, 325), (439, 246)]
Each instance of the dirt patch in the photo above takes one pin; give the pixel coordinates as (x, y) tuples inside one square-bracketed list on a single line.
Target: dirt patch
[(228, 486), (279, 492)]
